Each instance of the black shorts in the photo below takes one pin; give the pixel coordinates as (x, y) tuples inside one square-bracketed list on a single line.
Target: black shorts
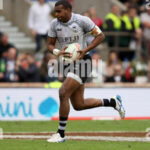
[(79, 70)]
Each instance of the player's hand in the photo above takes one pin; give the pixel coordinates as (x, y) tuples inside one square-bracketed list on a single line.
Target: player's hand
[(64, 54), (81, 54)]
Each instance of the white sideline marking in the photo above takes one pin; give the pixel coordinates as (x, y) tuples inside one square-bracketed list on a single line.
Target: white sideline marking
[(1, 133), (82, 132), (25, 136), (95, 138), (105, 138)]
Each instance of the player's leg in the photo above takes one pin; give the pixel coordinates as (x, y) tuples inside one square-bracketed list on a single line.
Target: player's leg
[(79, 103), (77, 98), (68, 87), (66, 90)]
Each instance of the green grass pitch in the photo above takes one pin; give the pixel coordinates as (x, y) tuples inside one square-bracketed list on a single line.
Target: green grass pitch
[(48, 126)]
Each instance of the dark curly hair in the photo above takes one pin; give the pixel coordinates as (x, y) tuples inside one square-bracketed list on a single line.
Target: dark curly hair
[(65, 4)]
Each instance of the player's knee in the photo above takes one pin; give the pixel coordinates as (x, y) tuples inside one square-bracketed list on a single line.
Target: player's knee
[(62, 94), (77, 108)]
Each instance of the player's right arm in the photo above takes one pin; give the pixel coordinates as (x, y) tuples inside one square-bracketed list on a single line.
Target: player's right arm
[(51, 44), (51, 47), (52, 36)]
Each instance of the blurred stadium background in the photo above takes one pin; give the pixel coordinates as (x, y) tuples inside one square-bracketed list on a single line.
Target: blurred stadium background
[(29, 96)]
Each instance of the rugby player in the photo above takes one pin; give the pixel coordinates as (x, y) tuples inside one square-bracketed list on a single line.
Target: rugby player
[(69, 28)]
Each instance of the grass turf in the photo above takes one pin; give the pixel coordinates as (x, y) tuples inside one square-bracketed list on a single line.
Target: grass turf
[(71, 145), (39, 126), (45, 126)]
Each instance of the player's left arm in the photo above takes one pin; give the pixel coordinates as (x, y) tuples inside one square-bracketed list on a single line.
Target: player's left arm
[(99, 38)]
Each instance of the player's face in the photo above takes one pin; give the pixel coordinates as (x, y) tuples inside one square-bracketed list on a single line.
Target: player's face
[(61, 13)]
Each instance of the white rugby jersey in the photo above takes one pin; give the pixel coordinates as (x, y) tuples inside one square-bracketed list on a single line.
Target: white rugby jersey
[(71, 32)]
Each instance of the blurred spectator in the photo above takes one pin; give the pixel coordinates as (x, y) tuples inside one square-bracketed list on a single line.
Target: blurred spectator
[(112, 23), (138, 4), (131, 23), (0, 36), (118, 75), (149, 70), (2, 69), (39, 21), (97, 69), (140, 70), (27, 69), (4, 45), (112, 60), (129, 73), (11, 75), (45, 68), (92, 14), (145, 20)]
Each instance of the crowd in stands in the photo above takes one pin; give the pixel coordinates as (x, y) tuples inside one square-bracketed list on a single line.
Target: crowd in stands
[(121, 66), (132, 62)]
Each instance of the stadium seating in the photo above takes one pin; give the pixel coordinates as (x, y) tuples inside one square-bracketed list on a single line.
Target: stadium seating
[(16, 37)]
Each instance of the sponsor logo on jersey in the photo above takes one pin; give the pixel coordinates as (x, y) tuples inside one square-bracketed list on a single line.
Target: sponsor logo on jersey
[(74, 28), (68, 39)]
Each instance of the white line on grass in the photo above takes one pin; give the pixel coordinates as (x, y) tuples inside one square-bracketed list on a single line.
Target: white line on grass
[(105, 138), (81, 132), (92, 138)]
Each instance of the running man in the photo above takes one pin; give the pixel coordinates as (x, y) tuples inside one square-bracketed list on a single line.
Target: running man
[(70, 28)]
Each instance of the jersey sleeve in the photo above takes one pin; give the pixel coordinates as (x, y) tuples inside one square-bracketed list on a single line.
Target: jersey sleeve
[(87, 24), (52, 30)]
